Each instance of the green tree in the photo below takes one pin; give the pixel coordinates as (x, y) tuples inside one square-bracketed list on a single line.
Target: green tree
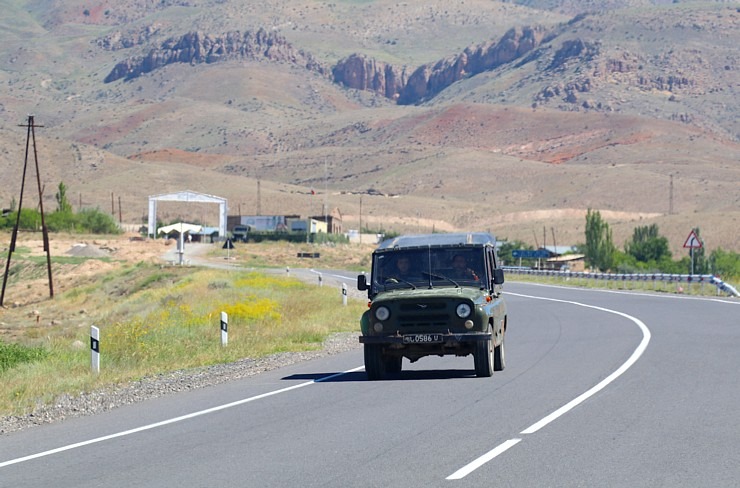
[(647, 245), (63, 204), (725, 264), (599, 248)]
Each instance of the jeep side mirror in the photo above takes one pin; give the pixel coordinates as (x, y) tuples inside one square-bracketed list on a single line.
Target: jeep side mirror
[(362, 282), (498, 276)]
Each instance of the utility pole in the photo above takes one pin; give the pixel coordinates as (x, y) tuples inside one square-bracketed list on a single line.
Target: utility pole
[(544, 236), (360, 218), (326, 196), (30, 136), (259, 197), (554, 244), (670, 196)]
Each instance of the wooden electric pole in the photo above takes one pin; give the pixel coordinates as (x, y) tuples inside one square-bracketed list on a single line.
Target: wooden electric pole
[(30, 137)]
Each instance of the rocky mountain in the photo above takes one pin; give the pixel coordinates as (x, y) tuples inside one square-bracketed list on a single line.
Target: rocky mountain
[(357, 71), (501, 115), (553, 48), (363, 73), (197, 47), (429, 80)]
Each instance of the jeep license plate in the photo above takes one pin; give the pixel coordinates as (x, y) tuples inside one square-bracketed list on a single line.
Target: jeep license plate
[(422, 338)]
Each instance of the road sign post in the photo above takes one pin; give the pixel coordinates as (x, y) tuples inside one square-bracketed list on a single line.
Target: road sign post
[(224, 329), (228, 245), (95, 349), (692, 242), (530, 254)]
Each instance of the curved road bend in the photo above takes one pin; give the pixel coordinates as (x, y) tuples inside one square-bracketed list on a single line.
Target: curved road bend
[(669, 419)]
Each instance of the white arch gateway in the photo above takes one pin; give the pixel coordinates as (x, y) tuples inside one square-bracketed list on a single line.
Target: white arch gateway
[(187, 196)]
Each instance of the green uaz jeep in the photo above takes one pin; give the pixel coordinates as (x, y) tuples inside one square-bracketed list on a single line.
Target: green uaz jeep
[(435, 294)]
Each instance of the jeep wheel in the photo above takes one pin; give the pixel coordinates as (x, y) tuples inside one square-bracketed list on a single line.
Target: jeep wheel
[(499, 356), (374, 364), (483, 358), (393, 364)]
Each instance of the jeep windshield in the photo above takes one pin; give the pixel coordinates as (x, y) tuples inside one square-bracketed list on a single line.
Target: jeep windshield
[(428, 267)]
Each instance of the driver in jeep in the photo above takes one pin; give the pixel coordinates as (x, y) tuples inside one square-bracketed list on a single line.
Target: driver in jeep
[(402, 271)]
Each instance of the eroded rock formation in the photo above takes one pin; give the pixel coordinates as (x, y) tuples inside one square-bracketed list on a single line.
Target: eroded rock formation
[(197, 47)]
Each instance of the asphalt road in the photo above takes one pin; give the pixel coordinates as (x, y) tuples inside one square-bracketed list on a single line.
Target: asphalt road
[(600, 389)]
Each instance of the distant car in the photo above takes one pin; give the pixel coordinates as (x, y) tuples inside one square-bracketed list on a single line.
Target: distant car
[(240, 233), (434, 294)]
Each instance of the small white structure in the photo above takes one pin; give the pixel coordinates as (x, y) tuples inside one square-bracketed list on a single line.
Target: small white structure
[(188, 196), (181, 228)]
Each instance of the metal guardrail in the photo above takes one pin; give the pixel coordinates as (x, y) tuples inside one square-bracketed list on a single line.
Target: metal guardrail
[(665, 279)]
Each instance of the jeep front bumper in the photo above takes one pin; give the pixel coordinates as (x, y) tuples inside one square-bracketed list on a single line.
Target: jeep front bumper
[(424, 338)]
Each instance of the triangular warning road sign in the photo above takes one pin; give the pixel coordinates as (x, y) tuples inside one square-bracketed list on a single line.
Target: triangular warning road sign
[(692, 241)]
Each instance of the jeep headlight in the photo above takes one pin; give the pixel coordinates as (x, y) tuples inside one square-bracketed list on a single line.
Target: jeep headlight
[(382, 313), (463, 310)]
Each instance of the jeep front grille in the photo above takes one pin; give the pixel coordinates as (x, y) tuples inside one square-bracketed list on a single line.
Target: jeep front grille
[(424, 314)]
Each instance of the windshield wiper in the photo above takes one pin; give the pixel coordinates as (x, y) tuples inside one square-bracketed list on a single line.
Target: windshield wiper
[(441, 277)]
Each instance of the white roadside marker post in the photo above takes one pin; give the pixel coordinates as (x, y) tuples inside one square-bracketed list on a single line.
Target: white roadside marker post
[(321, 280), (344, 294), (95, 349), (224, 329)]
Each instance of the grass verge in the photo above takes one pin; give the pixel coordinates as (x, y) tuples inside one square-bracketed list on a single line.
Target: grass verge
[(153, 322)]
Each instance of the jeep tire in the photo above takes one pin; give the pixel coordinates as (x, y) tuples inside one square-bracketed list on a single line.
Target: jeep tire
[(483, 358), (375, 366), (393, 364), (499, 356)]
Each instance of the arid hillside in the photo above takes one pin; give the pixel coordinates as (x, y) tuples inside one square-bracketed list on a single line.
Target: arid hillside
[(513, 117)]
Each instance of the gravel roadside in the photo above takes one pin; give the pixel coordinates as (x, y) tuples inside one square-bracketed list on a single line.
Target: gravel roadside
[(105, 399)]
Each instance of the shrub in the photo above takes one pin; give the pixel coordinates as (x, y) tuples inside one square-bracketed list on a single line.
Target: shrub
[(96, 222), (88, 221), (13, 354)]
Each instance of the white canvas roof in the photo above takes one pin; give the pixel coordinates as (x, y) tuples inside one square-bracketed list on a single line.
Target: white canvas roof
[(180, 227)]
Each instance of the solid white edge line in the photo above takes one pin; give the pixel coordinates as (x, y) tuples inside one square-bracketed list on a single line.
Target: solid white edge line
[(603, 383), (469, 468), (171, 421), (466, 470), (348, 278), (727, 300)]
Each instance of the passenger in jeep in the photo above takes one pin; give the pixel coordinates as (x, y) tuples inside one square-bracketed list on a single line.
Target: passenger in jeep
[(460, 268)]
